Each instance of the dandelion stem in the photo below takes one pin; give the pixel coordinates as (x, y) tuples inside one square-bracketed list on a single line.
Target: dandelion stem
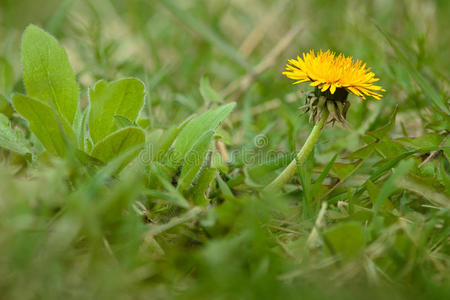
[(290, 170)]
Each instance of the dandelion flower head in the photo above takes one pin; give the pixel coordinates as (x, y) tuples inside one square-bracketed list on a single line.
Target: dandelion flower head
[(328, 71)]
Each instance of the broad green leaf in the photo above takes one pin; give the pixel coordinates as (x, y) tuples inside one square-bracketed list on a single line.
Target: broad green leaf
[(195, 129), (10, 139), (6, 77), (53, 132), (208, 93), (47, 73), (114, 166), (363, 152), (387, 147), (342, 170), (346, 239), (88, 160), (118, 142), (119, 98), (204, 181), (427, 140), (224, 188), (144, 123), (194, 159), (160, 141), (122, 122), (168, 138)]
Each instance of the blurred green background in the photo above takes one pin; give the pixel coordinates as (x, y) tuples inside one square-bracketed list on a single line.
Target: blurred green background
[(86, 243), (171, 44)]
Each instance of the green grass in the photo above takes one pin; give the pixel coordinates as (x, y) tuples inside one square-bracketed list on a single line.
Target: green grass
[(367, 215)]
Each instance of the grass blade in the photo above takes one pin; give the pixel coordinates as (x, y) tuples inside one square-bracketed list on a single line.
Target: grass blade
[(420, 80), (206, 32)]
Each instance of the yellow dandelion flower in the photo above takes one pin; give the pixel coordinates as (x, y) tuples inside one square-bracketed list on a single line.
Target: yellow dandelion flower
[(326, 71)]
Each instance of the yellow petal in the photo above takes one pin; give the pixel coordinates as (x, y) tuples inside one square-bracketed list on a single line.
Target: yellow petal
[(332, 89)]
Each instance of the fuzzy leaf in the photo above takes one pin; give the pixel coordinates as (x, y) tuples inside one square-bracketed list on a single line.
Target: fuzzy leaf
[(53, 132), (195, 129), (120, 141), (168, 139), (204, 181), (194, 160), (122, 122), (47, 73), (123, 97)]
